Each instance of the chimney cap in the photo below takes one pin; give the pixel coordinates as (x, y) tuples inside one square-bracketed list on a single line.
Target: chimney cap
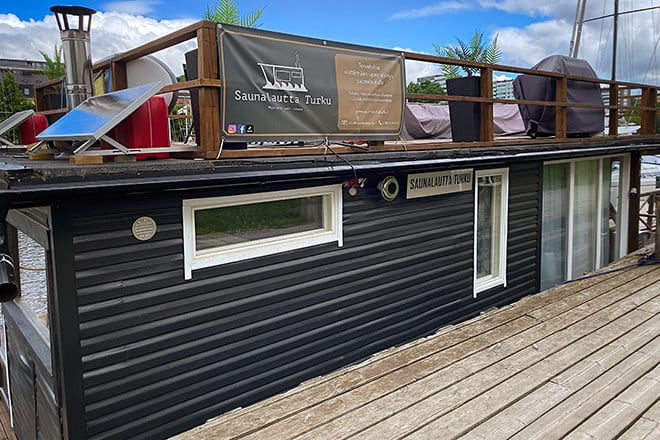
[(72, 10)]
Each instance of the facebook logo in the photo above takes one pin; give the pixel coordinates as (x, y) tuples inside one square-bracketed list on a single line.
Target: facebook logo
[(241, 129)]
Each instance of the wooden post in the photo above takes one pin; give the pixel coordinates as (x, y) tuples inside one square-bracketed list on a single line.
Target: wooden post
[(119, 76), (614, 112), (561, 96), (209, 98), (649, 102), (633, 201), (486, 107)]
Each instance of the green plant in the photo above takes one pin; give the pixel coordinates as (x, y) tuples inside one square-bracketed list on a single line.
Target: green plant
[(425, 87), (54, 66), (12, 100), (226, 11), (477, 49)]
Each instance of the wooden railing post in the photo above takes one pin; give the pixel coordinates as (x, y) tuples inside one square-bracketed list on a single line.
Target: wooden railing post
[(487, 107), (208, 137), (649, 102), (614, 110), (561, 96)]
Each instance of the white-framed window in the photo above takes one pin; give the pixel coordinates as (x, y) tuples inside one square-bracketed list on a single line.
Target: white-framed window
[(219, 230), (491, 200)]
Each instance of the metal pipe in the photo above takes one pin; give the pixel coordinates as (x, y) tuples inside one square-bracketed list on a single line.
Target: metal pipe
[(76, 50)]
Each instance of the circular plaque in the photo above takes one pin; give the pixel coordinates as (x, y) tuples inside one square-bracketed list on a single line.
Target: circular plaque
[(144, 228)]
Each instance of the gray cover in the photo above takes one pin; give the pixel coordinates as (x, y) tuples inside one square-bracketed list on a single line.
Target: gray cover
[(431, 121), (540, 120)]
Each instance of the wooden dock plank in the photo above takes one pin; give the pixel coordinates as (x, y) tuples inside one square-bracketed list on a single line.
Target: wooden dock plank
[(494, 376), (457, 411), (613, 418), (462, 381), (646, 427), (6, 431), (534, 405)]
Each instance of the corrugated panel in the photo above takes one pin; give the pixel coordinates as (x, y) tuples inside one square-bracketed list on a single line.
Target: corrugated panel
[(161, 354)]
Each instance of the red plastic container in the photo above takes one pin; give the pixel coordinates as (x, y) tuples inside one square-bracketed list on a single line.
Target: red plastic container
[(29, 129), (146, 127)]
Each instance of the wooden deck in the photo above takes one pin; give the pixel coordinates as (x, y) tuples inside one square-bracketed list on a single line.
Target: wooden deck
[(6, 431), (576, 361)]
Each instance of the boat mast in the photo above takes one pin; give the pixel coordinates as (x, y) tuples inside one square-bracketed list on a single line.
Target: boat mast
[(615, 36), (577, 29)]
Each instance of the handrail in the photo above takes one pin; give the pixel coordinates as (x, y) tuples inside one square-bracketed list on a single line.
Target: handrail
[(618, 97)]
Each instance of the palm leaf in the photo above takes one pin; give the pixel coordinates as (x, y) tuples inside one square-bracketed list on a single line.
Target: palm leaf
[(226, 11)]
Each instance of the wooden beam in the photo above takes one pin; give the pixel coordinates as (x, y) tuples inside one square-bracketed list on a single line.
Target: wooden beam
[(119, 75), (561, 95), (208, 137), (649, 102), (164, 42), (487, 107), (614, 112)]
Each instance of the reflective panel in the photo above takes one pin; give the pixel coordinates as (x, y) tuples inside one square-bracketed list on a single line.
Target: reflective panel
[(97, 115), (14, 120)]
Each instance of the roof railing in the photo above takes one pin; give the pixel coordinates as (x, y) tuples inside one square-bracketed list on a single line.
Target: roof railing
[(622, 99)]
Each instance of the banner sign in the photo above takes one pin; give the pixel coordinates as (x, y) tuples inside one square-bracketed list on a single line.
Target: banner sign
[(443, 182), (283, 87)]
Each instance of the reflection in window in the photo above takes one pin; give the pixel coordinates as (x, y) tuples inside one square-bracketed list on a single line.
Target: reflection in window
[(220, 230), (490, 229), (238, 224)]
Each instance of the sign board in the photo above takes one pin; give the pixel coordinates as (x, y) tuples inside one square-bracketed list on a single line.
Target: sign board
[(283, 87), (443, 182)]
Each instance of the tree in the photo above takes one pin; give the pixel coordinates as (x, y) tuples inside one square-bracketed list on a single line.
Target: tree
[(54, 66), (425, 87), (12, 100), (475, 50), (226, 11)]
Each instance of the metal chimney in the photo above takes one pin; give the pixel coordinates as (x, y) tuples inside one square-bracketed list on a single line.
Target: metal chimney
[(74, 23)]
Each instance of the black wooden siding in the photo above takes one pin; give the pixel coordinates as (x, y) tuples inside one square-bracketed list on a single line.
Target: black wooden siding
[(161, 355)]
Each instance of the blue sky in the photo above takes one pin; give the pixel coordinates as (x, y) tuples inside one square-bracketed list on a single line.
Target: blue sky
[(411, 24), (528, 30)]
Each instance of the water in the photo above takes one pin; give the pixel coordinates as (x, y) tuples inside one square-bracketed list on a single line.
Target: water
[(32, 273)]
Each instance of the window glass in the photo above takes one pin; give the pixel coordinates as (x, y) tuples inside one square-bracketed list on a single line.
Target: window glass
[(220, 230), (554, 224), (238, 224), (490, 229), (489, 220)]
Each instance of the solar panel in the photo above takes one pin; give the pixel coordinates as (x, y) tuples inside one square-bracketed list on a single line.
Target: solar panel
[(97, 115), (13, 121)]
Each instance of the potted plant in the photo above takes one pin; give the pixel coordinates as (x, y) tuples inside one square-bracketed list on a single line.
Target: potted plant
[(54, 70), (466, 116)]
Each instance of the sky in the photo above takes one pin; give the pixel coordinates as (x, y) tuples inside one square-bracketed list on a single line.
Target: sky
[(527, 30)]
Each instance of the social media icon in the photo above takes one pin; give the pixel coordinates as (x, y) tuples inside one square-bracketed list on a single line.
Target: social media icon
[(249, 128), (231, 128), (240, 128)]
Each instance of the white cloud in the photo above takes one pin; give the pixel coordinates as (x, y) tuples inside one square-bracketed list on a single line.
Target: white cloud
[(130, 7), (109, 35), (442, 8), (417, 69)]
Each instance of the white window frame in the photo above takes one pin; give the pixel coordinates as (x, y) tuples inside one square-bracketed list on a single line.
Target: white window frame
[(488, 282), (624, 181), (330, 232)]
